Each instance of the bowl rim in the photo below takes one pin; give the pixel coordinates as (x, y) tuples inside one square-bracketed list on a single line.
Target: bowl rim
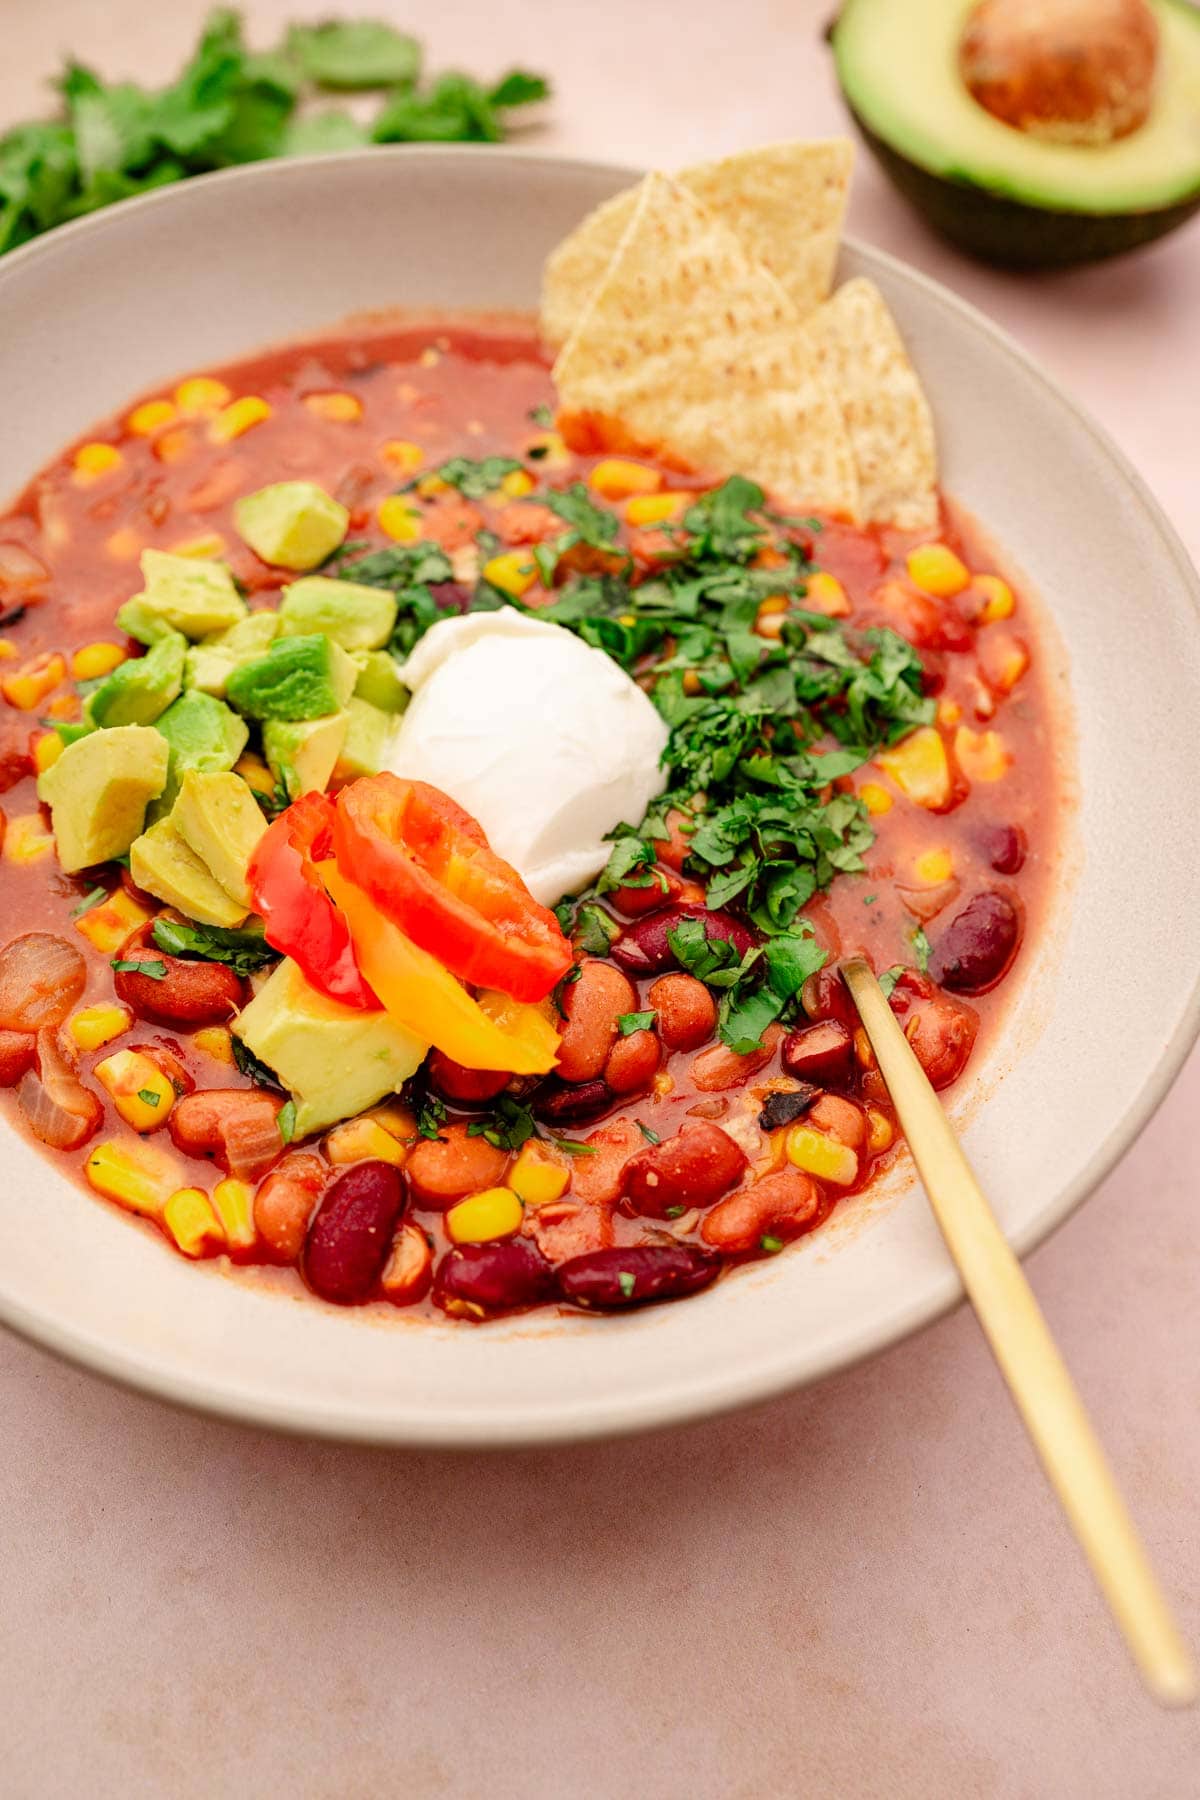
[(778, 1373)]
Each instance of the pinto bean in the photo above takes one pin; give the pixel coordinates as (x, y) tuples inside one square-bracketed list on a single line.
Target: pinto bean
[(17, 1052), (841, 1119), (190, 993), (633, 1062), (475, 1280), (636, 1275), (673, 849), (560, 1103), (942, 1033), (976, 949), (350, 1237), (687, 1012), (470, 1087), (822, 1053), (593, 1004), (719, 1067), (447, 1168), (692, 1169), (783, 1205), (596, 1179), (237, 1127), (645, 948), (284, 1203), (665, 888)]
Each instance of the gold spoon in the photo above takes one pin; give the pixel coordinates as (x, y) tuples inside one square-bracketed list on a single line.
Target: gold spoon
[(1029, 1360)]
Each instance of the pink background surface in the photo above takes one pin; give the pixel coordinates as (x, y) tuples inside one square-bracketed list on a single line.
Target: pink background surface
[(862, 1590)]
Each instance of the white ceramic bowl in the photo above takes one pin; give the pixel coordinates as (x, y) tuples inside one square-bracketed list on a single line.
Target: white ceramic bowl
[(1108, 1008)]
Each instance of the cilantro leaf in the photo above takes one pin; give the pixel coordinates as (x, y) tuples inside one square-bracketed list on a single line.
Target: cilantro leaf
[(472, 478), (889, 978), (355, 53), (244, 951), (156, 970), (286, 1121), (509, 1124), (922, 948), (628, 1023)]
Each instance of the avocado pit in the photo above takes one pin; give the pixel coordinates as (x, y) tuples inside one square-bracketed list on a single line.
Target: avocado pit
[(1067, 71)]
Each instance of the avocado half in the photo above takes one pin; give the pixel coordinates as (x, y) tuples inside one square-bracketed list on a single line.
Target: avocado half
[(1007, 197)]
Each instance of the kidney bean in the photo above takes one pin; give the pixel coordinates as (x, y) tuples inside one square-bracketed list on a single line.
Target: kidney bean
[(644, 949), (559, 1103), (350, 1238), (447, 1168), (822, 1053), (1005, 847), (942, 1034), (636, 1275), (593, 1004), (474, 1280), (826, 996), (190, 993), (976, 949), (841, 1119), (719, 1067), (783, 1205), (469, 1087), (235, 1126), (17, 1052), (633, 1062), (284, 1202), (687, 1012), (596, 1179), (692, 1169)]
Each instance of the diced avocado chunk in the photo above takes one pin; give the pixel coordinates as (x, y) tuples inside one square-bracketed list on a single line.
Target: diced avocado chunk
[(202, 733), (136, 619), (218, 817), (379, 681), (303, 753), (334, 1060), (162, 863), (292, 524), (189, 593), (298, 678), (98, 790), (356, 617), (140, 690), (211, 662), (368, 731)]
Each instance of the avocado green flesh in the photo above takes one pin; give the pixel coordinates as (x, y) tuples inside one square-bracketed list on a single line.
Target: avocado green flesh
[(897, 62)]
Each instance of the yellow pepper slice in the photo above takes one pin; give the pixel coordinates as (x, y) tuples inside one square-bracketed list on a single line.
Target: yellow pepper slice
[(491, 1032)]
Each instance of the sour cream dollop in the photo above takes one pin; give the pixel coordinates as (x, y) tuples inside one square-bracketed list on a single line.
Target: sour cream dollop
[(547, 742)]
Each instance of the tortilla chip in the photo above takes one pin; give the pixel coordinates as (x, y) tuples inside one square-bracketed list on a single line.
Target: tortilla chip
[(691, 347), (884, 405), (785, 202)]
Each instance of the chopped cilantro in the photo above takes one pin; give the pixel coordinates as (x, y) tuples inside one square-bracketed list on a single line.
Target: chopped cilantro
[(889, 978), (772, 1245), (149, 1096), (431, 1116), (673, 1212), (595, 931), (560, 987), (651, 1137), (473, 479), (628, 1023), (922, 948), (286, 1121), (156, 970), (541, 414), (573, 1147), (626, 1281), (507, 1126), (94, 897), (244, 951)]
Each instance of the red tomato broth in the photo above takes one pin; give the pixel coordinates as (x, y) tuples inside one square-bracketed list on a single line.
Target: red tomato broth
[(471, 392)]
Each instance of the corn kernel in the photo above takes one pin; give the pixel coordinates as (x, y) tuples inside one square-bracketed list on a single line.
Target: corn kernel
[(364, 1140), (28, 686), (8, 650), (774, 603), (239, 417), (216, 1042), (430, 358), (540, 1174), (212, 544), (822, 1156), (933, 867), (139, 1177), (400, 519), (107, 926), (189, 1217), (936, 570), (141, 1093), (341, 409), (26, 840), (656, 509), (662, 1085), (47, 748), (617, 479), (494, 1213), (63, 706), (768, 624), (233, 1203), (517, 483), (402, 455), (92, 461), (862, 1049), (1004, 659), (981, 755), (430, 486), (255, 773), (881, 1133), (999, 602), (201, 396), (95, 1026), (123, 545), (513, 572), (949, 713), (876, 799), (173, 445), (824, 593), (95, 660), (396, 1119), (151, 417), (920, 768), (551, 450)]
